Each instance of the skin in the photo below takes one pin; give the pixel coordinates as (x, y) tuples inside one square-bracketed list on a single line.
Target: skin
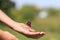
[(4, 35), (20, 27)]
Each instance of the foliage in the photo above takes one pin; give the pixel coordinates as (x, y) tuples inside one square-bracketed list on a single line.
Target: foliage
[(53, 11), (29, 12), (5, 5)]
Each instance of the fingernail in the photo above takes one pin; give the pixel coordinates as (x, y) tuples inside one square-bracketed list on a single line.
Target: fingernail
[(42, 32)]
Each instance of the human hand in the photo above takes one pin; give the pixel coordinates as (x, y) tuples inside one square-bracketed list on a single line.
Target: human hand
[(27, 31), (7, 36), (20, 27)]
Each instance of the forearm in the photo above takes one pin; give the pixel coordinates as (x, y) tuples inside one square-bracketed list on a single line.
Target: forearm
[(4, 18)]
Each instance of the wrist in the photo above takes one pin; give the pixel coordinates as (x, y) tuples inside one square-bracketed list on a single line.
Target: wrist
[(12, 24)]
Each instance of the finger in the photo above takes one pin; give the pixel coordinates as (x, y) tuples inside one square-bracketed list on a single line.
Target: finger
[(43, 33), (35, 35), (31, 30), (31, 33)]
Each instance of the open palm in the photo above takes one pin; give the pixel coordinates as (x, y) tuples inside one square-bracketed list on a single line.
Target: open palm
[(27, 31)]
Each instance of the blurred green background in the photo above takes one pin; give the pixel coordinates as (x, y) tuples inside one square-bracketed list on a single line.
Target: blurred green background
[(49, 23)]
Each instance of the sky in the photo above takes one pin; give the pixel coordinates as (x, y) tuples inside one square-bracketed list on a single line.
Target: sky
[(39, 3)]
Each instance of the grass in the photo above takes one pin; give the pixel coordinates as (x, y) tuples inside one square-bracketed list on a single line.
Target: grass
[(48, 36), (50, 26)]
